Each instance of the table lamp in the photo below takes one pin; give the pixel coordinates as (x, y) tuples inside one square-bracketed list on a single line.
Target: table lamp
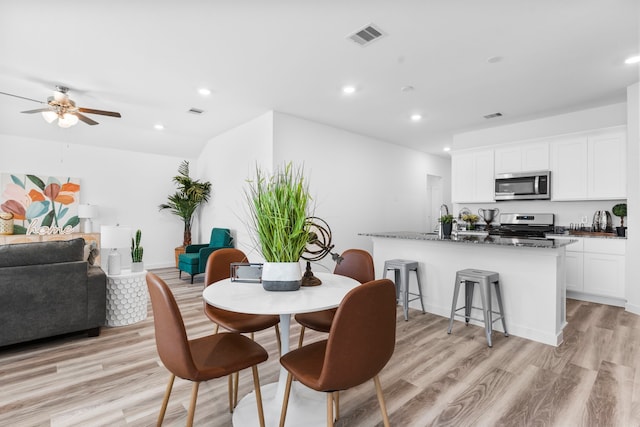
[(114, 237), (85, 213)]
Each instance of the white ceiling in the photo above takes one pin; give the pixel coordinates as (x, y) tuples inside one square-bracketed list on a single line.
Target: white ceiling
[(146, 59)]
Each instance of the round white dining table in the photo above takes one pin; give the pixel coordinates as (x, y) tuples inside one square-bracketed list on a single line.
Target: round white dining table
[(306, 407)]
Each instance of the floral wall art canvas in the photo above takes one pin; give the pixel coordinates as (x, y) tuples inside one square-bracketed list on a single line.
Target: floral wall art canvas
[(40, 204)]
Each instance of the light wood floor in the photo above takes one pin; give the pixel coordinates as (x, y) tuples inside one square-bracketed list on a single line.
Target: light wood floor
[(116, 379)]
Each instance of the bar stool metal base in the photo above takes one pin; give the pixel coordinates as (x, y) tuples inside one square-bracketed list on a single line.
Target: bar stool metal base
[(484, 279), (401, 268)]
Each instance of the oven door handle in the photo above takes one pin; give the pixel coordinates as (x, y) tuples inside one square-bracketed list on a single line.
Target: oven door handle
[(536, 185)]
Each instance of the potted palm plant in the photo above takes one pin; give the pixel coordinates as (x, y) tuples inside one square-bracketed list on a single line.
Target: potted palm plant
[(184, 203), (279, 205)]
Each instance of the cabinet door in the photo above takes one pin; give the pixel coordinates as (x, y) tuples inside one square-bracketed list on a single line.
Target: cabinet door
[(569, 169), (484, 177), (535, 157), (604, 274), (462, 177), (575, 265), (508, 159), (607, 166), (472, 177)]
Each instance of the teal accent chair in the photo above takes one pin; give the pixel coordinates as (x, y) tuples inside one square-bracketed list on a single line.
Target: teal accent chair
[(194, 260)]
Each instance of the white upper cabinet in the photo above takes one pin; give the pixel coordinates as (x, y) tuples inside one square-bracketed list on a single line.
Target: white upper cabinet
[(472, 175), (607, 166), (589, 166), (569, 169), (522, 157)]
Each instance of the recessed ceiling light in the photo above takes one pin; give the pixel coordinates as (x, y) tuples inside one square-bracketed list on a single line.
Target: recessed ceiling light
[(407, 88), (416, 117), (158, 126), (446, 149), (204, 91), (632, 59), (348, 90), (494, 59)]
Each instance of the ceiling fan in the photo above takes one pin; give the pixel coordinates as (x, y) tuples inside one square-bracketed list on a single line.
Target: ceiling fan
[(61, 107)]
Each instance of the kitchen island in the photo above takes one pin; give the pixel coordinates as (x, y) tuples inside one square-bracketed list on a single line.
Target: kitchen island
[(532, 276)]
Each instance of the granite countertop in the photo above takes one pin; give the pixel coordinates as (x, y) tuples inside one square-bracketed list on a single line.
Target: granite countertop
[(588, 234), (474, 239)]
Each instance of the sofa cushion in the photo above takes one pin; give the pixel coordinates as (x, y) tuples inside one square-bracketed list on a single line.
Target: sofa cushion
[(41, 252), (190, 259)]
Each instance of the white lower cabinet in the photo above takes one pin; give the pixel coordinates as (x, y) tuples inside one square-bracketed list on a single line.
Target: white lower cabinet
[(596, 270)]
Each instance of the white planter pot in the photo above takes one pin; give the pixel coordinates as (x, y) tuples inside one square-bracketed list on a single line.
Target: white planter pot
[(137, 267), (281, 276)]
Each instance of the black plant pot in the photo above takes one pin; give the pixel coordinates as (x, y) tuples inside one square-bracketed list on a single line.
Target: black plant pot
[(446, 229), (622, 231)]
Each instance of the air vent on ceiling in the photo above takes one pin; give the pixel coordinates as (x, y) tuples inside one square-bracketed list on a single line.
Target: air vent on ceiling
[(493, 115), (195, 111), (366, 35)]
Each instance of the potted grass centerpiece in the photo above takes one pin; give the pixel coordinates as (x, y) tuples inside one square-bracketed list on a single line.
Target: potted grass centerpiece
[(279, 205)]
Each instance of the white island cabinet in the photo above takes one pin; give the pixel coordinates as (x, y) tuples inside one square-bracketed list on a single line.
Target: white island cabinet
[(532, 276)]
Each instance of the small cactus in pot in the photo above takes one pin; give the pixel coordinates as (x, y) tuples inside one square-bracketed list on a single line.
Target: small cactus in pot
[(136, 252)]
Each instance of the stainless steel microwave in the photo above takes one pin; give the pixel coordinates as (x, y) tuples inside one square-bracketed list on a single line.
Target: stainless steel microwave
[(523, 186)]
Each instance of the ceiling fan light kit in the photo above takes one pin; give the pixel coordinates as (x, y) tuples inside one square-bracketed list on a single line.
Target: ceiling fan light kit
[(60, 107)]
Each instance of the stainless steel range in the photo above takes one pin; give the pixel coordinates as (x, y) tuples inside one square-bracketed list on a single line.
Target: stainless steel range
[(524, 225)]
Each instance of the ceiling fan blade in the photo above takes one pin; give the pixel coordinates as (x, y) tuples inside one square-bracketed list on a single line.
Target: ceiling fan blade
[(102, 112), (39, 110), (86, 119), (23, 97)]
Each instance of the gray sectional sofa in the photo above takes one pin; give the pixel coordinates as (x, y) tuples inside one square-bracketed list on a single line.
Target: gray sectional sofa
[(48, 289)]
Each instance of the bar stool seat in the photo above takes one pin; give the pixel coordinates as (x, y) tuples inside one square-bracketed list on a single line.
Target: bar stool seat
[(401, 268), (484, 279)]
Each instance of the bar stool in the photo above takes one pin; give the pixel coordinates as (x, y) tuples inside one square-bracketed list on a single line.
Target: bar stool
[(483, 278), (401, 268)]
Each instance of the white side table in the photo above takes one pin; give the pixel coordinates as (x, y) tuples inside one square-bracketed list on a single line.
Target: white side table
[(127, 297)]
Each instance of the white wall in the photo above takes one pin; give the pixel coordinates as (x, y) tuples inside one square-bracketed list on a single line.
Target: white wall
[(359, 184), (126, 186), (227, 161), (633, 202), (578, 121)]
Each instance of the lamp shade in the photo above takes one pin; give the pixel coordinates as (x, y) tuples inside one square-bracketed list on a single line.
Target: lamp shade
[(87, 211), (113, 236)]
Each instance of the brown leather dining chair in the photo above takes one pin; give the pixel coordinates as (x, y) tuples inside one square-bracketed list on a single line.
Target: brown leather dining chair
[(199, 359), (360, 343), (358, 265), (218, 268)]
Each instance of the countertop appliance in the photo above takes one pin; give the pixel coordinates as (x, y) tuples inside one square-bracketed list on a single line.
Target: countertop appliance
[(523, 186), (524, 225), (602, 221)]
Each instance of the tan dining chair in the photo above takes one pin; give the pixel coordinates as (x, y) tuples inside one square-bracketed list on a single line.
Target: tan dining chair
[(357, 264), (219, 268), (199, 359), (360, 343)]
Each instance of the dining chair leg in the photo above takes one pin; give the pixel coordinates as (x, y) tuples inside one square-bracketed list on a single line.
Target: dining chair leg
[(230, 393), (336, 399), (285, 401), (383, 408), (278, 340), (192, 405), (329, 409), (302, 328), (217, 327), (236, 382), (256, 386), (165, 401)]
